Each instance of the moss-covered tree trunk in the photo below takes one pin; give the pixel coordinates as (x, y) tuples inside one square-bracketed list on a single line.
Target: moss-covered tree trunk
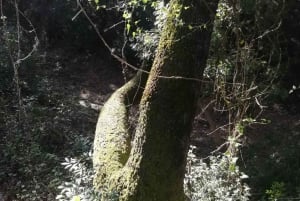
[(154, 167)]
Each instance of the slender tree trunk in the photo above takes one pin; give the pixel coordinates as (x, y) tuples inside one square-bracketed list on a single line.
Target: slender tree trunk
[(154, 169)]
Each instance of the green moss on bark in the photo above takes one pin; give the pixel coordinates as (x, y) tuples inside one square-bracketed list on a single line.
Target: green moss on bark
[(156, 163), (112, 137)]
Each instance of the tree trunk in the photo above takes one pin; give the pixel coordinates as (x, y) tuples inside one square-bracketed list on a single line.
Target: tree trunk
[(154, 169)]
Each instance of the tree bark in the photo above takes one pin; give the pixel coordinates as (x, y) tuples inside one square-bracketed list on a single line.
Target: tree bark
[(112, 136), (154, 169)]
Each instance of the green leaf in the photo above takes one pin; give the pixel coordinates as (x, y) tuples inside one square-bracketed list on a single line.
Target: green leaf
[(232, 167), (145, 1), (128, 27), (97, 1), (126, 15), (76, 198)]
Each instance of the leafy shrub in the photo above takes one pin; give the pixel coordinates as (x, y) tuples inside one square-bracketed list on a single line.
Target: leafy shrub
[(80, 186), (23, 169), (276, 191), (145, 42), (220, 179), (216, 180)]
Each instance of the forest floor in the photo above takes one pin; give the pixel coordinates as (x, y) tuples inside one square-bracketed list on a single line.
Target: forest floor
[(62, 93)]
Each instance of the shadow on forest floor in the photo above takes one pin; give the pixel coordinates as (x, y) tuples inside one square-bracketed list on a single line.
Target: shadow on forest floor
[(62, 94)]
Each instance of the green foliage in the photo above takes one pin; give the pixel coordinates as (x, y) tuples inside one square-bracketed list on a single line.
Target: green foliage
[(80, 184), (28, 165), (243, 64), (218, 179), (276, 191), (143, 22), (246, 62), (246, 36), (22, 160), (144, 42)]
